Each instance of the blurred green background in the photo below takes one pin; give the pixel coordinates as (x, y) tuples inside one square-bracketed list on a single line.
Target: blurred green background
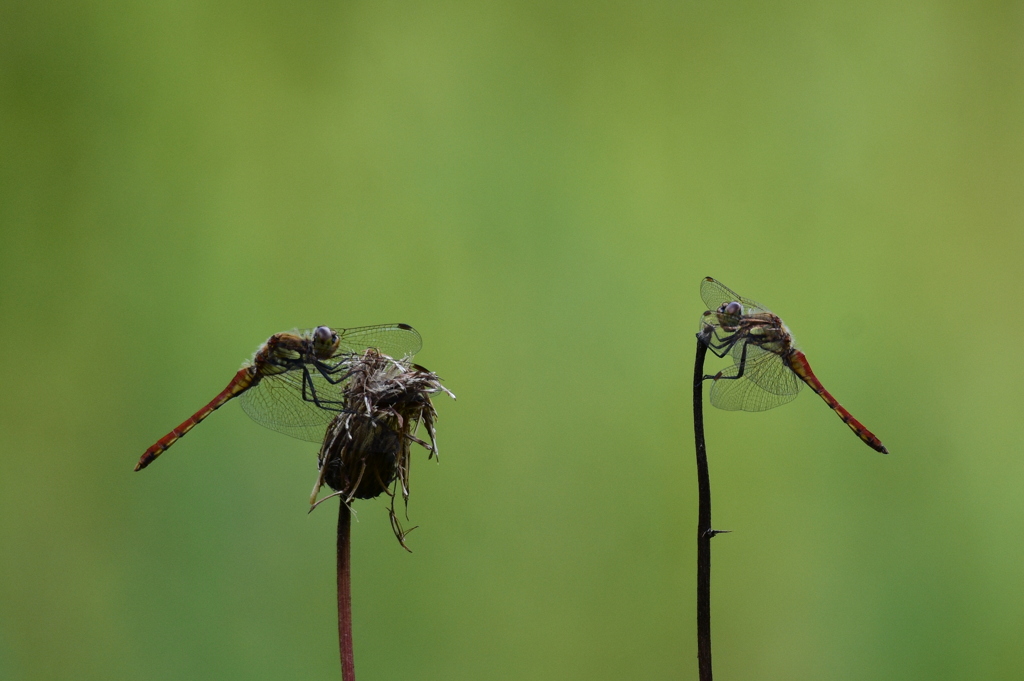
[(538, 189)]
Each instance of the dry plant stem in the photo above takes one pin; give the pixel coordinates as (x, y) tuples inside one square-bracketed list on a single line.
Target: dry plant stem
[(348, 664), (704, 532)]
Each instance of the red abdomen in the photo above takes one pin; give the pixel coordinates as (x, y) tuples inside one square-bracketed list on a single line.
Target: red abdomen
[(798, 363), (242, 381)]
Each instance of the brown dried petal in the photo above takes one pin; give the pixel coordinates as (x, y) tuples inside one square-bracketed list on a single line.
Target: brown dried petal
[(366, 450)]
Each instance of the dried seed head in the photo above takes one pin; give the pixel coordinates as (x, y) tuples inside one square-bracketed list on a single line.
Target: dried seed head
[(366, 451)]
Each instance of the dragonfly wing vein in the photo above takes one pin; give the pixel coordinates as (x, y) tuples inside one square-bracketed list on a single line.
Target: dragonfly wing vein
[(281, 402), (765, 368), (400, 341), (742, 394), (714, 293)]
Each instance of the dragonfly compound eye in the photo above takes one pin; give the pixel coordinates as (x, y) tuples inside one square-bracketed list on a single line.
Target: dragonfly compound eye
[(732, 309)]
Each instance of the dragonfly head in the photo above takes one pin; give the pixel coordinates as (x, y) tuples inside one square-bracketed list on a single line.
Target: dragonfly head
[(325, 342), (729, 314)]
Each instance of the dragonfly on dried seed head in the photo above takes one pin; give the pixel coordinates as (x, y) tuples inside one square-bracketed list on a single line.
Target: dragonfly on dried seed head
[(768, 370), (295, 381)]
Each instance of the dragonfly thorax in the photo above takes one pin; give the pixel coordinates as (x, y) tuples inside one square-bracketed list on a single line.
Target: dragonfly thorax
[(282, 352), (768, 332)]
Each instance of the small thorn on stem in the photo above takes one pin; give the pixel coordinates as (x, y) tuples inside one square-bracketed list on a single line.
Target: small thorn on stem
[(712, 533)]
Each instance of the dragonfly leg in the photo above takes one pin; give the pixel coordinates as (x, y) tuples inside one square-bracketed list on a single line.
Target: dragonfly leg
[(328, 371), (741, 367), (720, 346), (309, 393)]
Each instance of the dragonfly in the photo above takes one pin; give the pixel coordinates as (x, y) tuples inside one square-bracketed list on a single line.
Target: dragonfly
[(295, 382), (768, 370)]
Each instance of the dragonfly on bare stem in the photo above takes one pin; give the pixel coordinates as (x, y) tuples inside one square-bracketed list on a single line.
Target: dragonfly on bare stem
[(295, 381), (768, 370)]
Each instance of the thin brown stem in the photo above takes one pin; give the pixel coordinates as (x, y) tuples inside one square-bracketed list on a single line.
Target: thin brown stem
[(348, 664), (704, 531)]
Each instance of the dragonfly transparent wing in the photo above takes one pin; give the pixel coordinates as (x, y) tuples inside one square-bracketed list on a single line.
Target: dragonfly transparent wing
[(766, 369), (715, 294), (279, 402), (708, 319), (767, 382), (400, 341)]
